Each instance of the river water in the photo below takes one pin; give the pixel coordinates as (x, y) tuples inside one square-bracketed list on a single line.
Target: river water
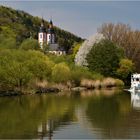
[(86, 115)]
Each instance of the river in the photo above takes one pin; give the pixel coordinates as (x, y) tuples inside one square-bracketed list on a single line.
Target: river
[(86, 115)]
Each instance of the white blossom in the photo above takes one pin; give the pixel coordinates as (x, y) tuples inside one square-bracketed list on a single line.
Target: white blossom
[(80, 58)]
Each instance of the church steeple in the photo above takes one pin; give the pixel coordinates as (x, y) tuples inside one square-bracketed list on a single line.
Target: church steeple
[(42, 27), (42, 35), (51, 24), (50, 33)]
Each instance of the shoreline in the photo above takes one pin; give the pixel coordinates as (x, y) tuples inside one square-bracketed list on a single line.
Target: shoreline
[(13, 93)]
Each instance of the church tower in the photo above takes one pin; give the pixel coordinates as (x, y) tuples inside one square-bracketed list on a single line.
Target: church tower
[(42, 35), (50, 34)]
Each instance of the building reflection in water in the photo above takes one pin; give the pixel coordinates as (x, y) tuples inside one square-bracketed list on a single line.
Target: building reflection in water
[(135, 100), (46, 129)]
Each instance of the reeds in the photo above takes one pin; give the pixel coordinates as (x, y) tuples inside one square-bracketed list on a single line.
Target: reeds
[(105, 83)]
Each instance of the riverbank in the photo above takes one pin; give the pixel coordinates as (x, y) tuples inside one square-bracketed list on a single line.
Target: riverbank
[(30, 72), (44, 87)]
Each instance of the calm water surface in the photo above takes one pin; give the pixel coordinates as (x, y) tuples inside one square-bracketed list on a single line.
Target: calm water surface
[(85, 115)]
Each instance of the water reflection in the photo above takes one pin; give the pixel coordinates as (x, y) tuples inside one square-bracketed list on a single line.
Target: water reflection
[(135, 100), (22, 117), (89, 114)]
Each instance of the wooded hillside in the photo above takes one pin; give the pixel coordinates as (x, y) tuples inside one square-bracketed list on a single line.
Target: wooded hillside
[(19, 25)]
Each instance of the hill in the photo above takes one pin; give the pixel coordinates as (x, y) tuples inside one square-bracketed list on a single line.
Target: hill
[(18, 25)]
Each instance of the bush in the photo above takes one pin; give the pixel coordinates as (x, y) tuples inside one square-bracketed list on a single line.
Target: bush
[(61, 73), (30, 44), (7, 43), (18, 67), (14, 75), (79, 73), (119, 83), (126, 67)]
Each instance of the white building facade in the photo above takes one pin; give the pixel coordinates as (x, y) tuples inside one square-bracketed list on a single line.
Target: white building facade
[(48, 37)]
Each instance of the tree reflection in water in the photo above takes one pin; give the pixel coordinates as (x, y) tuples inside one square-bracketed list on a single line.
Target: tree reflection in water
[(114, 116), (21, 117), (106, 113)]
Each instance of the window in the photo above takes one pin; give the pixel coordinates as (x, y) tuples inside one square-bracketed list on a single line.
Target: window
[(40, 35)]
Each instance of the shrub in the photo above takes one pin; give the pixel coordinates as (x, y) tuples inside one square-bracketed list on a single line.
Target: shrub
[(126, 67), (29, 44), (15, 75), (80, 73), (18, 67), (61, 73), (119, 83)]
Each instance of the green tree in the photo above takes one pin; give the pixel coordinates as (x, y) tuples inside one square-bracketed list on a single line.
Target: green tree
[(15, 75), (104, 58), (61, 73), (126, 68), (7, 42), (76, 48), (40, 68), (29, 44), (18, 67)]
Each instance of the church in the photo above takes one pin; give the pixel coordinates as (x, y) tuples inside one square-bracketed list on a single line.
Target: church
[(48, 37)]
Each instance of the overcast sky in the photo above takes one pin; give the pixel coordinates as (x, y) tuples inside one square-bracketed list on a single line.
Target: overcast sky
[(82, 17)]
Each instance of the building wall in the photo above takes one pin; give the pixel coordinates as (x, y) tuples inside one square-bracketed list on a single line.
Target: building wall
[(42, 38), (50, 38), (58, 52)]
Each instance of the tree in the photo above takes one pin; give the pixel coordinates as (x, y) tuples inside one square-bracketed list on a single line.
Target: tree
[(15, 75), (19, 67), (40, 68), (126, 38), (29, 44), (7, 42), (65, 44), (61, 73), (104, 58), (126, 68)]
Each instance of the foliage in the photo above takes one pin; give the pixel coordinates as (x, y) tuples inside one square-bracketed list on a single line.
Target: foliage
[(65, 44), (61, 73), (15, 74), (62, 58), (79, 73), (126, 68), (7, 42), (18, 67), (76, 47), (29, 44), (104, 58), (80, 58), (125, 37)]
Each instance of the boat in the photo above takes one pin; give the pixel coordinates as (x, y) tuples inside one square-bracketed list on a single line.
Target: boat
[(135, 83)]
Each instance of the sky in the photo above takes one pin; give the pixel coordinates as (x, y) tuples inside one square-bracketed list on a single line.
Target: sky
[(81, 17)]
